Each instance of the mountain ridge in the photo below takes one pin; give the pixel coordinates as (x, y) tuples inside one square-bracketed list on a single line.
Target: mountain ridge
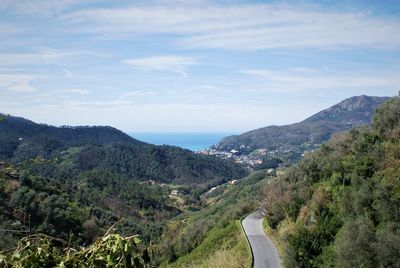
[(25, 128), (291, 141), (87, 148)]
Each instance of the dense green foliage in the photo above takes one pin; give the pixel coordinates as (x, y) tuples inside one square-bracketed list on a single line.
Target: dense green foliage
[(79, 149), (340, 206), (80, 207), (269, 162), (290, 141), (67, 195), (18, 134), (166, 164)]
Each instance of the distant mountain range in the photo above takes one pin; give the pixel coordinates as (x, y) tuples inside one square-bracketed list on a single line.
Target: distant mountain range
[(109, 149), (289, 142)]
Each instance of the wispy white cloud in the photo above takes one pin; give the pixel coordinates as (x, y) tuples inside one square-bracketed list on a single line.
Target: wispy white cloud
[(9, 29), (165, 63), (38, 7), (137, 93), (176, 64), (242, 27), (85, 77), (17, 83), (22, 86), (106, 104), (77, 91), (209, 87), (40, 55), (309, 79), (12, 59), (67, 73)]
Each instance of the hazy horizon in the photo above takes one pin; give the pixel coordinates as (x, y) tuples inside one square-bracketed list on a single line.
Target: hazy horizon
[(163, 131), (194, 141)]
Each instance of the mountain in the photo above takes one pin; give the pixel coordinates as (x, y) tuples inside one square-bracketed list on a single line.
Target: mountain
[(289, 142), (87, 148), (17, 131)]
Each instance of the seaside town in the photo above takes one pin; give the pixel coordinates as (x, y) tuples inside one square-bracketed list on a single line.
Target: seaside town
[(251, 160)]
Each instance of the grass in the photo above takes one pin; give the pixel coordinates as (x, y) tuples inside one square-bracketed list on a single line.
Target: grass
[(274, 237), (223, 246)]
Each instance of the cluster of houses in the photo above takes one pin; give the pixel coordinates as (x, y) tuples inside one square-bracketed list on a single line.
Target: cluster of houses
[(173, 192), (250, 160)]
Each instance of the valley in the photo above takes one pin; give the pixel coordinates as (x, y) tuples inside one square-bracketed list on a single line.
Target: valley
[(186, 208), (199, 134)]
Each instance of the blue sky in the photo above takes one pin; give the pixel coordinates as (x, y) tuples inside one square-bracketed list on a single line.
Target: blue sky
[(160, 66)]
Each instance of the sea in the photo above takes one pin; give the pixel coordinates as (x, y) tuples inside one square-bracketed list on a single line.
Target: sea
[(194, 141)]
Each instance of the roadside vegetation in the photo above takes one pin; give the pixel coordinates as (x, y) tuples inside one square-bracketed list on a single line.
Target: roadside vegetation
[(340, 206), (223, 246)]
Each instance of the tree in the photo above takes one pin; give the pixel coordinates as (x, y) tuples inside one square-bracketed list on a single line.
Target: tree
[(386, 122), (387, 246), (354, 244)]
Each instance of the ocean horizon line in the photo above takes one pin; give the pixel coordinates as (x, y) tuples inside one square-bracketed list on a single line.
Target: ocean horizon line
[(194, 141)]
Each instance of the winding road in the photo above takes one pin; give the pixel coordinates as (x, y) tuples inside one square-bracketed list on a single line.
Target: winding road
[(264, 252)]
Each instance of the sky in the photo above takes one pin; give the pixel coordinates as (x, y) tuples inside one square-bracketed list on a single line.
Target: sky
[(193, 66)]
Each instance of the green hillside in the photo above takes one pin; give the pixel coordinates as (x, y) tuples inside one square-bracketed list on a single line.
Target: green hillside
[(340, 206), (77, 149), (18, 134), (291, 141)]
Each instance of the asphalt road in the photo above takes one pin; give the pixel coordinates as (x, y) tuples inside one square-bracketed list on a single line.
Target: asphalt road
[(264, 251)]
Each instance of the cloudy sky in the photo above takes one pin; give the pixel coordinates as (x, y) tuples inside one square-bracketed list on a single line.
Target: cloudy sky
[(194, 65)]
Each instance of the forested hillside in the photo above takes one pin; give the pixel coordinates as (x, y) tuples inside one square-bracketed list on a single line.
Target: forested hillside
[(82, 206), (19, 134), (166, 164), (291, 141), (78, 210), (71, 184), (77, 149), (340, 206)]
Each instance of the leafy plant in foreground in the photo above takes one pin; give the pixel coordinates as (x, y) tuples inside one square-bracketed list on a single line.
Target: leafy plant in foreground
[(111, 250)]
